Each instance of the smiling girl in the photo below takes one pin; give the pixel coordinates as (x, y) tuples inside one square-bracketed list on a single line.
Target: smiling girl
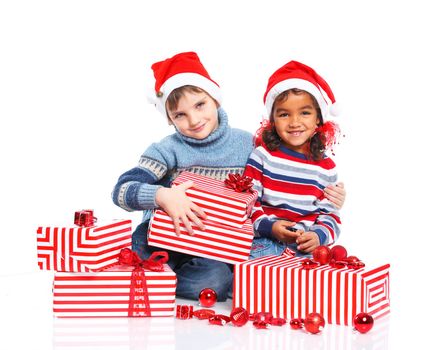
[(290, 168)]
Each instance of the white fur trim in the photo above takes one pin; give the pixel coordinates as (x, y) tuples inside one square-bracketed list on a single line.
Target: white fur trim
[(302, 84), (182, 79)]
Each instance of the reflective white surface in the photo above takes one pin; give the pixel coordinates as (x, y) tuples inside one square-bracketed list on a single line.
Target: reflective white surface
[(27, 323)]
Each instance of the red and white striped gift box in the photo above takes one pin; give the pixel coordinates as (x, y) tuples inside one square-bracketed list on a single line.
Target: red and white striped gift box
[(217, 242), (221, 204), (82, 249), (280, 285), (107, 293)]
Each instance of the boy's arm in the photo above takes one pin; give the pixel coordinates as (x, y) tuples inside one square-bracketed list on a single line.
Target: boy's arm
[(136, 189)]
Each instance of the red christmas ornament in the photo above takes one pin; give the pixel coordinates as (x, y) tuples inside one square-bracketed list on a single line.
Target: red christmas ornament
[(262, 320), (314, 323), (296, 323), (322, 254), (309, 264), (219, 320), (363, 322), (207, 297), (278, 321), (203, 314), (239, 316), (338, 252)]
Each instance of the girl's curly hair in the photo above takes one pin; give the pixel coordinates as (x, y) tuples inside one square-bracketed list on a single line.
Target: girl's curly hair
[(267, 133)]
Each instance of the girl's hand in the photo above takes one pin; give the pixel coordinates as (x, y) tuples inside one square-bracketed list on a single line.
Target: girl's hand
[(179, 207), (281, 232), (308, 241), (336, 194)]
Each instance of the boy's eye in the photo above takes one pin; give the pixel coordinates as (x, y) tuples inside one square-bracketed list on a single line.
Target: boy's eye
[(200, 104), (179, 115)]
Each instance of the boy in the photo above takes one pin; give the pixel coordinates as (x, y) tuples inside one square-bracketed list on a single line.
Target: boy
[(203, 143)]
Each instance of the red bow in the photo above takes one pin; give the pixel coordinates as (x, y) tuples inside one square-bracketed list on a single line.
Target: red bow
[(138, 297), (239, 183)]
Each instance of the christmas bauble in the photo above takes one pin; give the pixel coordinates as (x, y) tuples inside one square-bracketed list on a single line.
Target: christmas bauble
[(322, 254), (314, 323), (363, 322), (338, 252), (239, 316), (207, 297)]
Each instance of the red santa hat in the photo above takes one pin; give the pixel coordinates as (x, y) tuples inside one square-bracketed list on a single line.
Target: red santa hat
[(297, 75), (182, 69)]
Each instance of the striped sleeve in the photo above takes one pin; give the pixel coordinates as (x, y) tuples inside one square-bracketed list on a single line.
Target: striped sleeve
[(254, 169)]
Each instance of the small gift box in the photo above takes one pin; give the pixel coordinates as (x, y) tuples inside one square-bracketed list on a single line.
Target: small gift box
[(287, 288), (217, 242), (82, 248), (140, 289), (226, 202)]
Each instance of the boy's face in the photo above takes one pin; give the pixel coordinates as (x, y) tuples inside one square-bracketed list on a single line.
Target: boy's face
[(195, 115)]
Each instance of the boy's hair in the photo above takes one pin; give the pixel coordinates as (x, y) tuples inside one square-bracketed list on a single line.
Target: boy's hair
[(272, 140), (174, 97)]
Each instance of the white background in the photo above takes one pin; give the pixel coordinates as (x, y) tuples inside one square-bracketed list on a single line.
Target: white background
[(73, 80)]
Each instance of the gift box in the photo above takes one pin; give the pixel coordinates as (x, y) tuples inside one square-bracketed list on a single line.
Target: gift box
[(82, 249), (119, 291), (217, 242), (221, 203), (284, 287)]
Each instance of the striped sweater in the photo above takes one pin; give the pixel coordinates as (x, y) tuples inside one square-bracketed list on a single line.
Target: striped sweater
[(291, 187), (224, 151)]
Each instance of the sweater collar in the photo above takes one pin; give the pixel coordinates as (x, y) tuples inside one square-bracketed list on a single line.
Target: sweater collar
[(218, 136)]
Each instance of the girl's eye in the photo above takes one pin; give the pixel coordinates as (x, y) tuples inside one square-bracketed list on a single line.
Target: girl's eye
[(283, 115), (306, 113)]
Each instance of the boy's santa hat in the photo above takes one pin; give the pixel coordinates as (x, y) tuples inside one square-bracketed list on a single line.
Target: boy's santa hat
[(297, 75), (182, 69)]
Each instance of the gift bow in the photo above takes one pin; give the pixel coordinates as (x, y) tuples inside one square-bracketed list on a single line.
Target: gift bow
[(239, 183), (138, 291)]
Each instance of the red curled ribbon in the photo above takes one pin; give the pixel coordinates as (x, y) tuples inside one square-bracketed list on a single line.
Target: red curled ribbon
[(239, 183), (138, 297), (85, 218)]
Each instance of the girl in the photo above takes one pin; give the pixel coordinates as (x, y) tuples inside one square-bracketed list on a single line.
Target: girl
[(290, 168)]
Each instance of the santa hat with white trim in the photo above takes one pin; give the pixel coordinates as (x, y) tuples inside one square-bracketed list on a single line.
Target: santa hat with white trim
[(297, 75), (182, 69)]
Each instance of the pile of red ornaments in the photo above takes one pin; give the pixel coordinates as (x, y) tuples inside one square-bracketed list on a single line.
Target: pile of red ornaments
[(336, 257)]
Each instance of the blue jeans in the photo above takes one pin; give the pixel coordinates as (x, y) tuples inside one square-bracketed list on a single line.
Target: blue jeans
[(193, 273), (266, 246)]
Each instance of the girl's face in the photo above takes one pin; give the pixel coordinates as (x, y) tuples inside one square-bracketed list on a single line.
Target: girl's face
[(195, 116), (296, 120)]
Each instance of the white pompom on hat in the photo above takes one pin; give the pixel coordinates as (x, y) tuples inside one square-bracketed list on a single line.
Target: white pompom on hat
[(297, 75), (182, 69)]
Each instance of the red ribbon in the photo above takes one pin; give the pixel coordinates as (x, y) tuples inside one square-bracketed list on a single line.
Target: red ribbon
[(85, 218), (138, 296), (239, 183)]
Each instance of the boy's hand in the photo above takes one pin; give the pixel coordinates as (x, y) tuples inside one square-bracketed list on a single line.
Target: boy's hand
[(179, 207), (336, 194), (308, 241), (280, 230)]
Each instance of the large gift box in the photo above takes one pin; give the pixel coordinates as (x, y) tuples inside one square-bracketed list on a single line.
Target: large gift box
[(284, 287), (221, 203), (217, 242), (117, 291), (82, 249)]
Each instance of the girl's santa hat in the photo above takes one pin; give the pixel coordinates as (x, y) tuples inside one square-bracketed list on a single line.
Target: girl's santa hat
[(182, 69), (297, 75)]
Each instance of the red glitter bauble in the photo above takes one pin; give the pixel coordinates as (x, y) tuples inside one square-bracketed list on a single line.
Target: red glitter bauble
[(338, 252), (207, 297), (322, 254), (363, 322), (314, 323), (296, 323), (239, 316)]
